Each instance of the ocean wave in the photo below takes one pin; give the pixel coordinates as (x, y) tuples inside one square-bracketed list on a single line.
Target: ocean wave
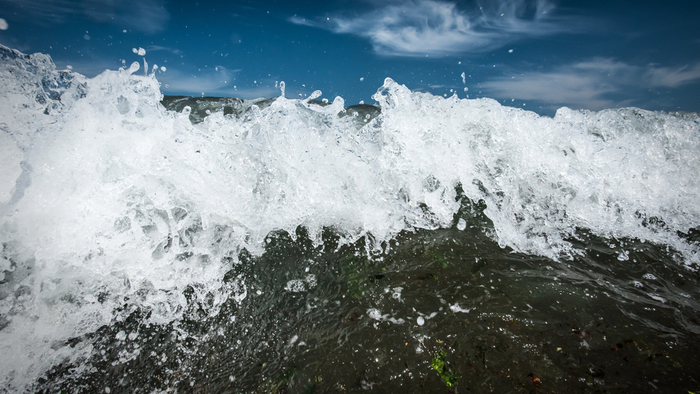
[(109, 191)]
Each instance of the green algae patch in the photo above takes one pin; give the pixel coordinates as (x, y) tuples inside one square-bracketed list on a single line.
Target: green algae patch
[(443, 369)]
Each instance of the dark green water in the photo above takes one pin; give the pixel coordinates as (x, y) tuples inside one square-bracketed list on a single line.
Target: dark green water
[(492, 321)]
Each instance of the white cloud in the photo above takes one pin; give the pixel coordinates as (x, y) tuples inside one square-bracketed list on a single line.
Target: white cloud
[(301, 21), (153, 48), (88, 67), (42, 11), (437, 28), (148, 16), (593, 84), (673, 77), (215, 82)]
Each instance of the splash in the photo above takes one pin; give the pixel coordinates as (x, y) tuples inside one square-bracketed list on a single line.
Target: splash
[(108, 199)]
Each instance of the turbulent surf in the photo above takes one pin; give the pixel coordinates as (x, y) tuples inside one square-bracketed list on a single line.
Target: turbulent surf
[(178, 244)]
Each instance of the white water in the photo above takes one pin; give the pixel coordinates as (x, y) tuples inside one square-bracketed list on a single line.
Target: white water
[(101, 197)]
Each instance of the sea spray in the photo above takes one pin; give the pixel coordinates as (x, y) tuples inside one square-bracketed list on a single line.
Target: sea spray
[(116, 207), (615, 172)]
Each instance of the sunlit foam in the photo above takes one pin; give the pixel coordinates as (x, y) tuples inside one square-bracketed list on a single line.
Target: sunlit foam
[(122, 198)]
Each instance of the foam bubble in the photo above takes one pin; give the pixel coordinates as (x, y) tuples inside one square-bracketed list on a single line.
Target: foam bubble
[(461, 224)]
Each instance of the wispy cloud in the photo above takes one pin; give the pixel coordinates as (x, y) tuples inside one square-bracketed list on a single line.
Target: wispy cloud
[(434, 27), (217, 81), (149, 16), (673, 77), (89, 67), (214, 82), (593, 84), (153, 48), (220, 83), (43, 11)]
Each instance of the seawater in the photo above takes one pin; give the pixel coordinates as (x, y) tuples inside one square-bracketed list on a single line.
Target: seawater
[(426, 244)]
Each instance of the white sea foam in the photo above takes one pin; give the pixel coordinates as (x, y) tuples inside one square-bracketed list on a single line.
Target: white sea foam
[(106, 194)]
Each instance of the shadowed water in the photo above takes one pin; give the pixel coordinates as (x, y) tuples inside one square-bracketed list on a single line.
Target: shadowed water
[(438, 311)]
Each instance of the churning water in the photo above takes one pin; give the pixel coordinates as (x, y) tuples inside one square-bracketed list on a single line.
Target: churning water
[(426, 244)]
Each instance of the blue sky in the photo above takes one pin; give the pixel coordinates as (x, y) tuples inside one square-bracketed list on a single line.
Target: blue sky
[(538, 55)]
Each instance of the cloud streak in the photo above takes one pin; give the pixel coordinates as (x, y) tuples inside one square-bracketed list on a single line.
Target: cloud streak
[(154, 48), (438, 28), (218, 82), (673, 77), (149, 16), (592, 84)]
